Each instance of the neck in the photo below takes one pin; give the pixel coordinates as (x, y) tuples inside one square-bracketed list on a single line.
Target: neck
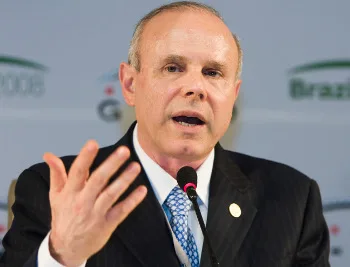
[(172, 165)]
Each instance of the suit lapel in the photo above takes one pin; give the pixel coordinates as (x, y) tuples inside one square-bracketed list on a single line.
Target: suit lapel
[(228, 185), (145, 231)]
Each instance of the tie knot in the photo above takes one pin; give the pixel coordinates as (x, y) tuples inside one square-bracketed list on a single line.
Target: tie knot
[(178, 202)]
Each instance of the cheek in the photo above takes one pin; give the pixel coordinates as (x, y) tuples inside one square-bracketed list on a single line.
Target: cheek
[(223, 110), (152, 100)]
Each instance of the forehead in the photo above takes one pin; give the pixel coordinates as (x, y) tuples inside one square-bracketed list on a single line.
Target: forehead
[(189, 33)]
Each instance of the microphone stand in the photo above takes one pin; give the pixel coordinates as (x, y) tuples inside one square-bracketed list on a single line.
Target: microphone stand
[(192, 195)]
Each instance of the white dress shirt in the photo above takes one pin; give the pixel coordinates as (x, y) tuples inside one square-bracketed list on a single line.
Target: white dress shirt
[(162, 183)]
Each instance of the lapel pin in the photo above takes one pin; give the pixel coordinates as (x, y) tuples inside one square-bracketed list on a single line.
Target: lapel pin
[(235, 210)]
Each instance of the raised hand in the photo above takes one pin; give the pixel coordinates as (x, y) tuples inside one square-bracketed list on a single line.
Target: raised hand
[(83, 215)]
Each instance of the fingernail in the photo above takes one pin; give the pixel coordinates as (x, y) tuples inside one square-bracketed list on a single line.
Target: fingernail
[(133, 167), (46, 157), (91, 146), (122, 151), (142, 189)]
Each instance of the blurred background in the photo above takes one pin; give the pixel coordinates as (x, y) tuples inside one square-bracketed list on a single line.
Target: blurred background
[(59, 87)]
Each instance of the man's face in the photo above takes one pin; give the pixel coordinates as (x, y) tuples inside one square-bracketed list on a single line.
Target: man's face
[(186, 88)]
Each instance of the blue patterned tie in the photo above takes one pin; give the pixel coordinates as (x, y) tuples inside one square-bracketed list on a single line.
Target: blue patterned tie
[(179, 206)]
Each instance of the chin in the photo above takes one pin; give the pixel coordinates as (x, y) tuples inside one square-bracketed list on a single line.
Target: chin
[(189, 150)]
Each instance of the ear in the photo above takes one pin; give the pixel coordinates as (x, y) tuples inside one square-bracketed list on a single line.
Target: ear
[(237, 88), (127, 82)]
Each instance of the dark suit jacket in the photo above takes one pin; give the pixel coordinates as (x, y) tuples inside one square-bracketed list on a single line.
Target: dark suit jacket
[(281, 222)]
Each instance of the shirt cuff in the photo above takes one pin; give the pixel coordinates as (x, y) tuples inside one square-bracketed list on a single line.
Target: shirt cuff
[(44, 257)]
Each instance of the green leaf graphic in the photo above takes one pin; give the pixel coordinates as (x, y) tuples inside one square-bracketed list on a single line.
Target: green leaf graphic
[(321, 65), (20, 62)]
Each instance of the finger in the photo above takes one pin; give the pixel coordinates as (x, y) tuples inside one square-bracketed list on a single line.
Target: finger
[(118, 213), (112, 193), (79, 170), (99, 178), (58, 175)]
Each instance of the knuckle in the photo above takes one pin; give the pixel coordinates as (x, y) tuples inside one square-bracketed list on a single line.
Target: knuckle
[(129, 204), (109, 194), (80, 172), (100, 176), (121, 184), (128, 177), (125, 207), (79, 207)]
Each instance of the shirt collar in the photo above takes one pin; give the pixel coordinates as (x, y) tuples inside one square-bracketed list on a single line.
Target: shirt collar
[(162, 182)]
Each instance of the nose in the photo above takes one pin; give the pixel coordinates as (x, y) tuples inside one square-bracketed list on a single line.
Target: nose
[(194, 87)]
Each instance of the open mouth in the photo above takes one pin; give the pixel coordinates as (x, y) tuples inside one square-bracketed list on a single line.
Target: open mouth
[(188, 121)]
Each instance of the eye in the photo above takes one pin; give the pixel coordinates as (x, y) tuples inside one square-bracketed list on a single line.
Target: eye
[(212, 73), (173, 68)]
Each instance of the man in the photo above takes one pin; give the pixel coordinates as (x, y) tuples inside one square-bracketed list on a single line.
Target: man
[(114, 206)]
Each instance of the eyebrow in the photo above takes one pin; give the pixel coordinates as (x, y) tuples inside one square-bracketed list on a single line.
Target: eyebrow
[(216, 65), (182, 60), (175, 58)]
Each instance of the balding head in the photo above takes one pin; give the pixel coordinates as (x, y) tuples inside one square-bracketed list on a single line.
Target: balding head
[(134, 55)]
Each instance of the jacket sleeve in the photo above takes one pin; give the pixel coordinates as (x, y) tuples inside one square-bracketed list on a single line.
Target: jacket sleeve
[(32, 219), (313, 246)]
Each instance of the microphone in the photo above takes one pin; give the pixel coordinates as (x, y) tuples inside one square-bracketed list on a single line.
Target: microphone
[(187, 180)]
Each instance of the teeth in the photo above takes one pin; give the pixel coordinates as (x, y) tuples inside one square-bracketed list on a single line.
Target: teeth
[(186, 124)]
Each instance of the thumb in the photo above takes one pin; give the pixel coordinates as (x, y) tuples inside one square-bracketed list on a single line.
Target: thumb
[(58, 175)]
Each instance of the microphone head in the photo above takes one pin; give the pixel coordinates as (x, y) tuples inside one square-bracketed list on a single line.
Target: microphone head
[(187, 177)]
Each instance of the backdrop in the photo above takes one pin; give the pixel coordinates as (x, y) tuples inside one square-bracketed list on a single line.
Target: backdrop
[(59, 87)]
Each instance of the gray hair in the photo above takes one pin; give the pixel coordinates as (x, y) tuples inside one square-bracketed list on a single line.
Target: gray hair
[(134, 49)]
